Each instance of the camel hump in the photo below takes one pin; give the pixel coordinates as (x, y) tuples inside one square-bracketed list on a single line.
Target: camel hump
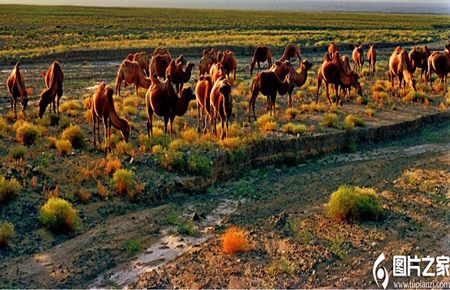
[(17, 64)]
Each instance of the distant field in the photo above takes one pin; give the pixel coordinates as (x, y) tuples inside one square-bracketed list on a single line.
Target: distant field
[(29, 31)]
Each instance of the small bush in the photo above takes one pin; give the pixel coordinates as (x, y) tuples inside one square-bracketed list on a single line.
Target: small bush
[(102, 191), (295, 129), (262, 120), (70, 106), (156, 149), (416, 97), (17, 152), (132, 246), (50, 119), (352, 121), (83, 195), (75, 135), (369, 112), (6, 232), (27, 133), (330, 120), (171, 160), (269, 126), (199, 163), (179, 145), (123, 181), (63, 146), (52, 142), (124, 148), (354, 204), (232, 143), (9, 189), (111, 165), (291, 113), (234, 241), (189, 135), (4, 127), (58, 215)]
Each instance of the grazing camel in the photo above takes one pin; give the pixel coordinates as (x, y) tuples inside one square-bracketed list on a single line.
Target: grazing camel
[(202, 92), (208, 59), (372, 57), (261, 54), (291, 50), (332, 49), (332, 72), (161, 51), (221, 104), (131, 73), (143, 59), (268, 83), (402, 68), (358, 57), (103, 109), (419, 55), (217, 71), (439, 63), (179, 76), (54, 79), (15, 85), (162, 99), (229, 62)]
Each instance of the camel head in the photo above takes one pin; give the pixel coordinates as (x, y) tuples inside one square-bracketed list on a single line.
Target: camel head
[(306, 64), (225, 90), (180, 60), (355, 82), (44, 101), (126, 132), (187, 93), (190, 66), (284, 67)]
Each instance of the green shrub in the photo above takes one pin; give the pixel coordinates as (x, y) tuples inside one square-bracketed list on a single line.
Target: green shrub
[(9, 189), (295, 129), (171, 160), (330, 120), (352, 203), (352, 121), (27, 133), (63, 146), (75, 135), (123, 181), (132, 246), (17, 152), (58, 215), (6, 232), (199, 163)]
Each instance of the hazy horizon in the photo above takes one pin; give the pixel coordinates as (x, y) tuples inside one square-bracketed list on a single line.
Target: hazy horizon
[(406, 6)]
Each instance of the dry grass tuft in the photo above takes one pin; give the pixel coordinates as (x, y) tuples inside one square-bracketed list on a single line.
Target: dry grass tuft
[(234, 241)]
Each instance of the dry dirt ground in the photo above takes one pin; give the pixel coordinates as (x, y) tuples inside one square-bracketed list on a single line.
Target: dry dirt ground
[(292, 242)]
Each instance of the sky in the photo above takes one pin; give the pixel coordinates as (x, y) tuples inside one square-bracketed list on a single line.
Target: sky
[(404, 6)]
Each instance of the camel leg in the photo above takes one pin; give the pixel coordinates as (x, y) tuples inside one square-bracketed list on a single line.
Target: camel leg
[(336, 88), (93, 122), (166, 120), (272, 103), (223, 127), (319, 82), (150, 124), (198, 116), (136, 88), (106, 133), (328, 94), (172, 118), (15, 109)]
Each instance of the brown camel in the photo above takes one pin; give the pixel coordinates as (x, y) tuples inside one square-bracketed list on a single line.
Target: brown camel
[(372, 57), (298, 79), (130, 72), (179, 76), (143, 59), (332, 72), (161, 51), (332, 49), (217, 71), (229, 62), (439, 63), (221, 104), (162, 99), (419, 55), (103, 109), (209, 58), (261, 54), (15, 85), (202, 92), (54, 79), (358, 57), (291, 50), (402, 68), (160, 63), (268, 83)]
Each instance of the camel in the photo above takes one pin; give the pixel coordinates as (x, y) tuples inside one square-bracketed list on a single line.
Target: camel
[(161, 51), (143, 59), (358, 57), (162, 99), (419, 55), (298, 79), (179, 76), (160, 63), (54, 79), (269, 84), (229, 62), (15, 85), (332, 49), (217, 71), (332, 72), (131, 73), (402, 68), (439, 63), (221, 104), (208, 59), (261, 54), (291, 50), (372, 57), (103, 108), (202, 92)]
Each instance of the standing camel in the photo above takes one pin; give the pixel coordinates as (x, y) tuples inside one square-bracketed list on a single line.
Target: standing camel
[(54, 79), (15, 85), (261, 54)]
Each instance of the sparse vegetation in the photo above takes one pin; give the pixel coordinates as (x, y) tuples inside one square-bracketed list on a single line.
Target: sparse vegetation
[(352, 203), (294, 129), (75, 135), (63, 146), (27, 133), (351, 121), (330, 120), (58, 215), (9, 189), (199, 163), (234, 240), (132, 246), (123, 181), (6, 233), (17, 152)]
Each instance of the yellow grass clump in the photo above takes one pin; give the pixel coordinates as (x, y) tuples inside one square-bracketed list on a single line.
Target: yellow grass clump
[(234, 241)]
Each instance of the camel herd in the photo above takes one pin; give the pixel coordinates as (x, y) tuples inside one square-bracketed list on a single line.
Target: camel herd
[(164, 78)]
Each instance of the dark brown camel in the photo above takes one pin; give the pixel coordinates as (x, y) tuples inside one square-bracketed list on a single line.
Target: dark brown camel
[(439, 63), (261, 54), (221, 104), (229, 62), (54, 79), (209, 57), (419, 55), (179, 76)]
